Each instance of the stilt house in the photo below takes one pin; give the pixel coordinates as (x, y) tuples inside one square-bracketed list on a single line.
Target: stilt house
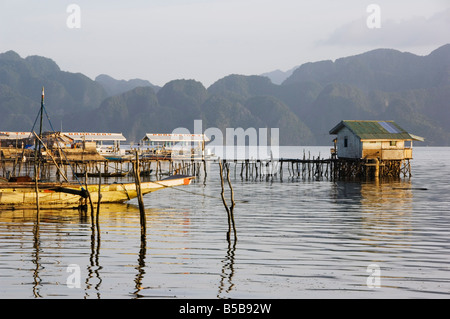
[(384, 140), (372, 148)]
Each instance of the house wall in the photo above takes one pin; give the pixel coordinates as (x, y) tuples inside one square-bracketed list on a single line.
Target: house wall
[(350, 149), (393, 152), (384, 150), (371, 149)]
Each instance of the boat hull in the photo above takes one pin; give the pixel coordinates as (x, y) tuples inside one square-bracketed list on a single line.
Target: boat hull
[(51, 195)]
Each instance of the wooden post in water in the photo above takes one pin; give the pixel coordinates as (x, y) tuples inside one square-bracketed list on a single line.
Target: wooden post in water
[(137, 180), (232, 200), (99, 191), (87, 190), (230, 214), (204, 167), (224, 201)]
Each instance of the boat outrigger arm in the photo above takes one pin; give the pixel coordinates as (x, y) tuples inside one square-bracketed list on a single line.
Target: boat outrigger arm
[(82, 193)]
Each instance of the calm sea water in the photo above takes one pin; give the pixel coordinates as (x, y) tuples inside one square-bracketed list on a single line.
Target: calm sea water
[(296, 238)]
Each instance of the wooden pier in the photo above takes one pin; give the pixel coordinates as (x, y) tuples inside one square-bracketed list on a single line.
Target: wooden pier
[(321, 168), (16, 165), (362, 150)]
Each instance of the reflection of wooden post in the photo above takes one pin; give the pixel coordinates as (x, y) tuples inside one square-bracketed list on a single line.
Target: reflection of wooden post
[(36, 185)]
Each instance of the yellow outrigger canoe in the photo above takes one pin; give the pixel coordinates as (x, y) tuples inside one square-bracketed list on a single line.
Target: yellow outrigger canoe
[(20, 195)]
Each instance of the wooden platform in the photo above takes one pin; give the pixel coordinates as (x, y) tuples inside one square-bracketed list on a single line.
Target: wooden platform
[(319, 168), (71, 167)]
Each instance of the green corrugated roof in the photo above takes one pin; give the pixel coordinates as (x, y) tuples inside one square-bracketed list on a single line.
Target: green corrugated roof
[(380, 130)]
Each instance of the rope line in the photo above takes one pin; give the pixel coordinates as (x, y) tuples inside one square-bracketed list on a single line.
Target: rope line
[(199, 194)]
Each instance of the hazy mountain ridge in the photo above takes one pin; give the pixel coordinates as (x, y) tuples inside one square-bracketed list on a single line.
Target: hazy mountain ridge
[(115, 87), (279, 76), (381, 84), (69, 91), (382, 69)]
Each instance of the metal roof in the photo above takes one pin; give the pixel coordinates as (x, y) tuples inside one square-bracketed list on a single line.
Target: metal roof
[(79, 136), (175, 137), (376, 130), (15, 135)]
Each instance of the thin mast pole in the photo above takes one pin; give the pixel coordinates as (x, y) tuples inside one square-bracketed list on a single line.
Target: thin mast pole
[(37, 148), (42, 112), (37, 154)]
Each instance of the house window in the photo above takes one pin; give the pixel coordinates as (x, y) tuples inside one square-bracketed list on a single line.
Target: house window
[(346, 141), (393, 143)]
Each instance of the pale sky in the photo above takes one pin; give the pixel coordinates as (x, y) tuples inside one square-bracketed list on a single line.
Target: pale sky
[(206, 40)]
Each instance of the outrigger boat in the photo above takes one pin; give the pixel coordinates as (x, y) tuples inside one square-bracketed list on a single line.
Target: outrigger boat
[(23, 192), (21, 195)]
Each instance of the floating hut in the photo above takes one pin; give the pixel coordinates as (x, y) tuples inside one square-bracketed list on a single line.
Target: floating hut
[(377, 148)]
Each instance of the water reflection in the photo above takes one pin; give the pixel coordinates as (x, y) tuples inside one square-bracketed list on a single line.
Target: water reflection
[(375, 213), (55, 236), (36, 258), (100, 246), (226, 278), (141, 265), (93, 269), (384, 206)]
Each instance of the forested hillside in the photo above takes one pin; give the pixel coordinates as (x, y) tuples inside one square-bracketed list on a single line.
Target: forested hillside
[(381, 84)]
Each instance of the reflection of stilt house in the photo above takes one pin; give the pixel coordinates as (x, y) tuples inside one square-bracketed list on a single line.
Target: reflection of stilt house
[(373, 148)]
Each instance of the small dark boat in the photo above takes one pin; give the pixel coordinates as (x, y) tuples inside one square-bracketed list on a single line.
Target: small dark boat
[(103, 175)]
